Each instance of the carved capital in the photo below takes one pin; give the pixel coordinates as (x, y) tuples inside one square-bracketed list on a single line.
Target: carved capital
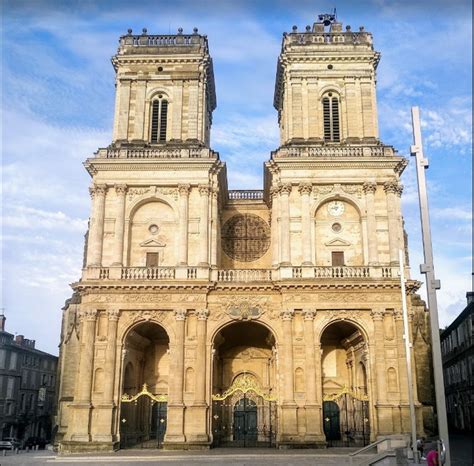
[(184, 189), (305, 188), (202, 314), (287, 314), (97, 190), (286, 188), (113, 314), (87, 315), (390, 187), (309, 314), (377, 314), (215, 193), (204, 190), (121, 189), (369, 187), (399, 189), (180, 314), (398, 314)]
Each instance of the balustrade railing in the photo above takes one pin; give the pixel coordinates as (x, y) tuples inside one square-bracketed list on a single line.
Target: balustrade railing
[(246, 194), (148, 273), (335, 151), (242, 275), (341, 272), (156, 153)]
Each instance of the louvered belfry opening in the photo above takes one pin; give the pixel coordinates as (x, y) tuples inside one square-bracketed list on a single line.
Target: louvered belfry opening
[(159, 117), (331, 118)]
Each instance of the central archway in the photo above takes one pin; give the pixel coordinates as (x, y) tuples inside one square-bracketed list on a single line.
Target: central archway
[(244, 386), (143, 415)]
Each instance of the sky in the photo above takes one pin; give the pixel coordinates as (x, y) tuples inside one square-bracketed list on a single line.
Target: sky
[(57, 109)]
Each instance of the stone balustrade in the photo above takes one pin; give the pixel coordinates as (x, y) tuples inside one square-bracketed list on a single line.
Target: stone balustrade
[(246, 194), (339, 37), (334, 151), (244, 275), (148, 273), (130, 40), (157, 153), (240, 275)]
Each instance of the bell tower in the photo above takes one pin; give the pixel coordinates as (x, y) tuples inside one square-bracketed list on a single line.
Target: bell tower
[(325, 85), (165, 90)]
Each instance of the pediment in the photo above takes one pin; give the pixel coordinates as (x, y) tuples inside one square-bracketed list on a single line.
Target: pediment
[(330, 384), (338, 242), (153, 243)]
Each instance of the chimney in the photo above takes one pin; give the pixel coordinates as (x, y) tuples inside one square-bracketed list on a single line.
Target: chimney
[(470, 297), (2, 321)]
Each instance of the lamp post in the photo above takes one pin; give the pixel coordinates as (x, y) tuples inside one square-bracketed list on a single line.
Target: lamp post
[(432, 284)]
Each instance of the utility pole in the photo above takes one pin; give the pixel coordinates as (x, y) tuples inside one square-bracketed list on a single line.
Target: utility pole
[(431, 283), (408, 348)]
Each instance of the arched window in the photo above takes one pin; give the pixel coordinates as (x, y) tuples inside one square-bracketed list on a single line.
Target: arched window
[(159, 119), (331, 118)]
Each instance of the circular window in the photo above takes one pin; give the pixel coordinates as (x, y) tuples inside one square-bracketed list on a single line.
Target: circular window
[(153, 229), (336, 227), (330, 67), (245, 237), (160, 68)]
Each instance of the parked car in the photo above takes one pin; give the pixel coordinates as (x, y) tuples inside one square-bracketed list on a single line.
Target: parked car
[(9, 443), (32, 442)]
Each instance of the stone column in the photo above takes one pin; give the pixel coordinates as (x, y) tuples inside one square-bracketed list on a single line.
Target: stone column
[(201, 378), (204, 226), (391, 188), (288, 405), (175, 427), (274, 190), (183, 223), (110, 352), (288, 389), (285, 223), (139, 123), (384, 418), (96, 227), (398, 210), (308, 316), (121, 191), (369, 189), (305, 190), (123, 88), (78, 429), (215, 226)]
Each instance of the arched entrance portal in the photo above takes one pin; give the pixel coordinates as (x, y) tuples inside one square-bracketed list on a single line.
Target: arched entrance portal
[(344, 380), (244, 381), (143, 414)]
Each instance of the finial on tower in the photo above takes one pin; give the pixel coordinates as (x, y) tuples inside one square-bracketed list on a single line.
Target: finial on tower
[(328, 18)]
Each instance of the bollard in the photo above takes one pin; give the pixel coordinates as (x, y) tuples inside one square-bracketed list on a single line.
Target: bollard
[(4, 452), (17, 451)]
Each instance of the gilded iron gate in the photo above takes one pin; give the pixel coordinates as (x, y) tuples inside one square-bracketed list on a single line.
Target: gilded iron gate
[(143, 420), (346, 419), (244, 416)]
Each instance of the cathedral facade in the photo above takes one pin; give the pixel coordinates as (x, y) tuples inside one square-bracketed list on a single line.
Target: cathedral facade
[(211, 317)]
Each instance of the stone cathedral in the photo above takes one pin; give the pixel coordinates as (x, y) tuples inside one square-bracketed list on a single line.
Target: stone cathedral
[(210, 317)]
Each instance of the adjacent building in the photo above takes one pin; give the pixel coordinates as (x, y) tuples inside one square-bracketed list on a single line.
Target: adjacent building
[(210, 317), (27, 387), (457, 347)]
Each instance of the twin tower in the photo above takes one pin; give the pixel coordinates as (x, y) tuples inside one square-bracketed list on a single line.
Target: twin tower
[(211, 317)]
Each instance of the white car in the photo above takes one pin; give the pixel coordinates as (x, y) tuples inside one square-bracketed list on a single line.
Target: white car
[(9, 443)]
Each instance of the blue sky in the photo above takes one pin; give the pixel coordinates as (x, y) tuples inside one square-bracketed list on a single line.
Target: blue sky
[(58, 97)]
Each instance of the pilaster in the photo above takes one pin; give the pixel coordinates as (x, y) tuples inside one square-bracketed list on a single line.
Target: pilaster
[(285, 191), (121, 191), (96, 228)]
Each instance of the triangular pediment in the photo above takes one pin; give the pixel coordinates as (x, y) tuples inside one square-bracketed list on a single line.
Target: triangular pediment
[(330, 384), (338, 242), (153, 243)]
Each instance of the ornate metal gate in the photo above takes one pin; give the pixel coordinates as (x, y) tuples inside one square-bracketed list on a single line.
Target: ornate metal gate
[(143, 420), (346, 419), (244, 415)]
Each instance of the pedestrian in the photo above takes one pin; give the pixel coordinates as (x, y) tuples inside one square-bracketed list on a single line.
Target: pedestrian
[(432, 458), (420, 446)]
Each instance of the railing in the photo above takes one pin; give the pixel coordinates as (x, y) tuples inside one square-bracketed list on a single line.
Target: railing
[(168, 40), (148, 273), (335, 151), (156, 153), (341, 272), (246, 194), (242, 275), (338, 37)]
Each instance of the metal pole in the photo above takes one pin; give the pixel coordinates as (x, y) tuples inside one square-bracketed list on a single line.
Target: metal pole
[(408, 346), (431, 283)]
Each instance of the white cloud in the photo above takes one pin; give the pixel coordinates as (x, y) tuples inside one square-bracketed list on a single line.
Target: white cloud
[(452, 213)]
